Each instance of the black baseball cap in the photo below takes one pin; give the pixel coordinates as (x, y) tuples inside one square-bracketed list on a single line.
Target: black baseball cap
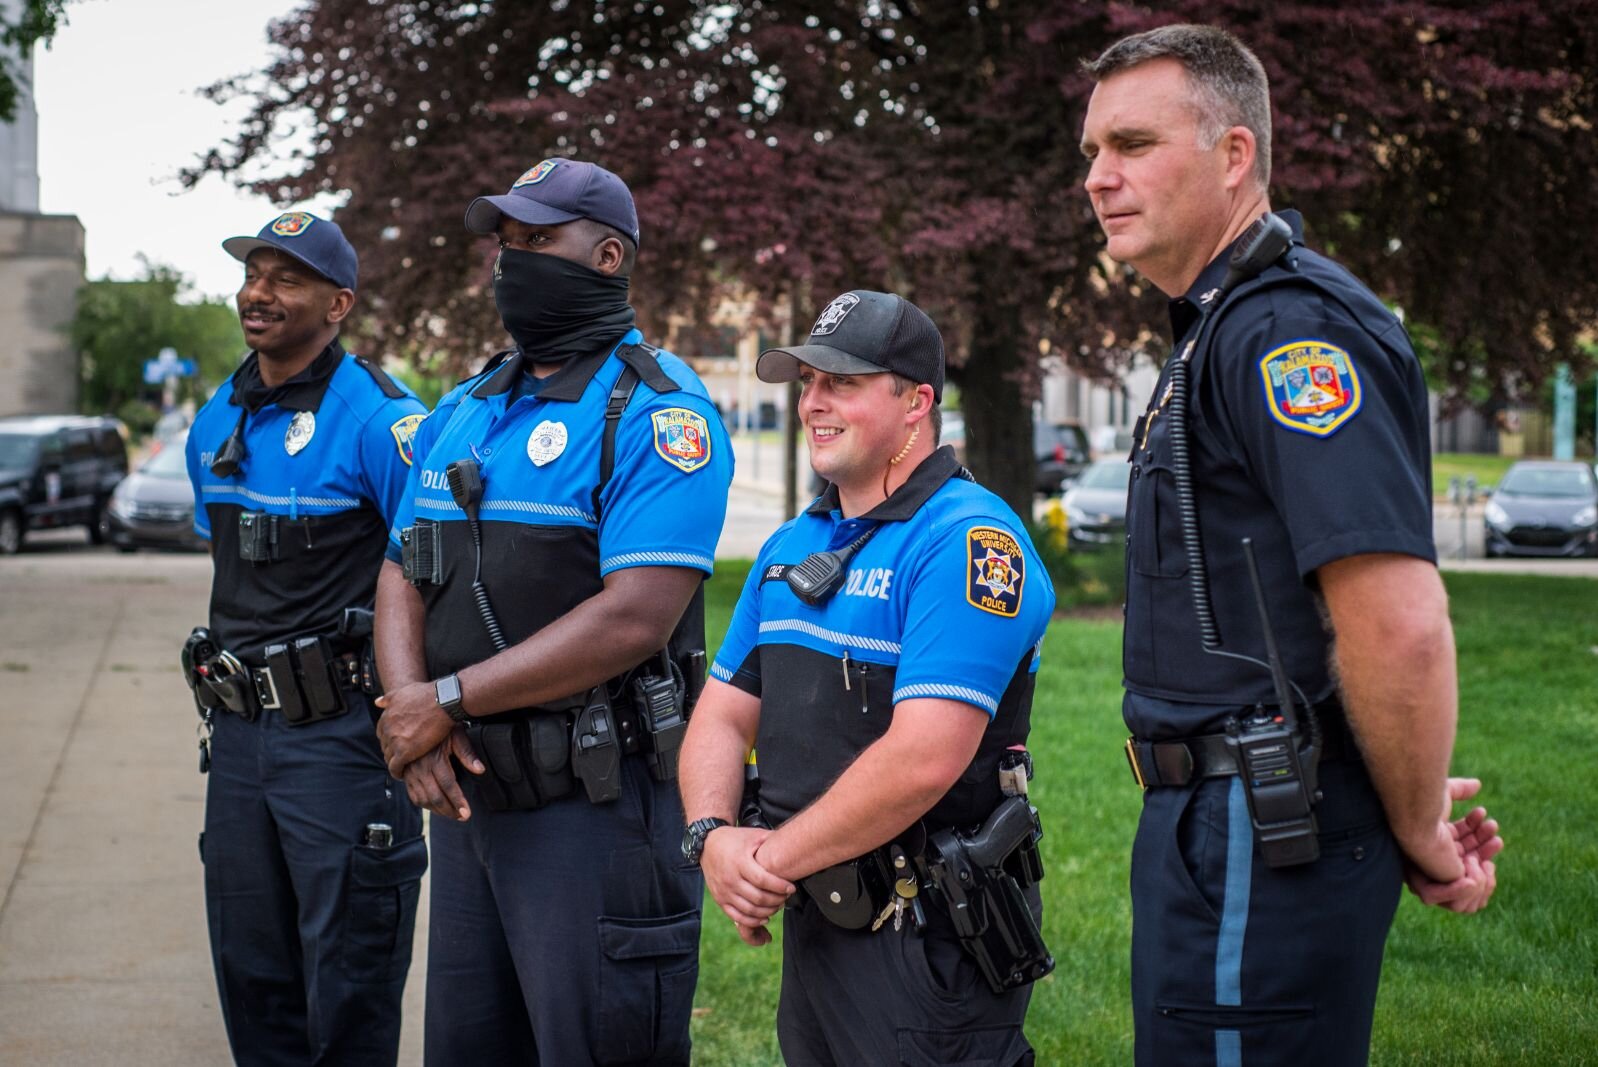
[(557, 191), (864, 332), (318, 243)]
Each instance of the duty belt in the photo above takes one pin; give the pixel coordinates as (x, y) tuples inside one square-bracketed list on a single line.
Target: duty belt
[(1189, 759)]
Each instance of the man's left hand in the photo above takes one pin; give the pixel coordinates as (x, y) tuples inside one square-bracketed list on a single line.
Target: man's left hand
[(411, 725), (1475, 840)]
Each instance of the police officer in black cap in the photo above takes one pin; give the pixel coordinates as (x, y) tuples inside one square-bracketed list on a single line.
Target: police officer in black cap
[(541, 624), (1279, 517), (880, 661), (313, 855)]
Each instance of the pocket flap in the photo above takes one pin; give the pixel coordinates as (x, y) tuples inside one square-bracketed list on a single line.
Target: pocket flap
[(381, 867), (631, 939)]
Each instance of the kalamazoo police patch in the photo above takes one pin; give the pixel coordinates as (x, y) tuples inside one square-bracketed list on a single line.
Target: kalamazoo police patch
[(292, 224), (682, 438), (1310, 386), (995, 571), (404, 432), (534, 175)]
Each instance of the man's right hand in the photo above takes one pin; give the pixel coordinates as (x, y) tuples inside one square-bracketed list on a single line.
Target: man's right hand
[(430, 779), (745, 890)]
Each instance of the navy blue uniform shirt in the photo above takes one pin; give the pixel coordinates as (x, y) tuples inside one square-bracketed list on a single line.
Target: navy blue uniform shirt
[(947, 600), (545, 550), (1309, 433), (328, 457)]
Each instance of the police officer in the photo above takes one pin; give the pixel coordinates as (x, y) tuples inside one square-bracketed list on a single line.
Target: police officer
[(1293, 413), (881, 708), (541, 622), (313, 855)]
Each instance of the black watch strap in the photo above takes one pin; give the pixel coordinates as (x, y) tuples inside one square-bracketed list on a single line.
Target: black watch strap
[(693, 839), (447, 691)]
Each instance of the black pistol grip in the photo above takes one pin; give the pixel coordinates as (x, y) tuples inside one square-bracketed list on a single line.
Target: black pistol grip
[(1006, 829)]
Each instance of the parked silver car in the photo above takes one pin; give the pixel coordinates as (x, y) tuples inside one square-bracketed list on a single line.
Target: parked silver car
[(1544, 508)]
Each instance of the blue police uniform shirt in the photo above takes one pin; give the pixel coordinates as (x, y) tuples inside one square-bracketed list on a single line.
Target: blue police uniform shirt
[(328, 457), (545, 547), (1309, 434), (948, 600)]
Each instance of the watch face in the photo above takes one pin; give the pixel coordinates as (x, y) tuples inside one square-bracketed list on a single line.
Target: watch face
[(689, 850)]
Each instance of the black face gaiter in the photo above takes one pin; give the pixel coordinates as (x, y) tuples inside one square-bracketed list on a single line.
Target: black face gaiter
[(556, 309)]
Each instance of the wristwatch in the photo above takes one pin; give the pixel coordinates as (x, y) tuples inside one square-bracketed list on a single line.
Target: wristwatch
[(693, 838), (447, 691)]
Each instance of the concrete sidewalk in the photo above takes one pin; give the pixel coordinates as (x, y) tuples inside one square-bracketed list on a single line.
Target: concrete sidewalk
[(104, 956)]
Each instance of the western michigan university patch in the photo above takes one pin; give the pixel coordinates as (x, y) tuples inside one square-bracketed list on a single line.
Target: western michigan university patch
[(404, 432), (682, 438), (995, 571), (1310, 386)]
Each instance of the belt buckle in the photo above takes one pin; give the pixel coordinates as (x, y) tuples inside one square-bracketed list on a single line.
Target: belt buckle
[(1131, 759), (266, 689)]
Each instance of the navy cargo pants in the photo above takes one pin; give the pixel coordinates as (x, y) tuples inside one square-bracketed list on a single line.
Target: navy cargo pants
[(310, 931), (566, 936), (1236, 964)]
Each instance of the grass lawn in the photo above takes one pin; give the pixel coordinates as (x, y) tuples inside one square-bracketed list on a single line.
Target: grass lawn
[(1489, 470), (1517, 984)]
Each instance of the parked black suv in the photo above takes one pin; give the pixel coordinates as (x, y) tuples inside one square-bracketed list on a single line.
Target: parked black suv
[(58, 470)]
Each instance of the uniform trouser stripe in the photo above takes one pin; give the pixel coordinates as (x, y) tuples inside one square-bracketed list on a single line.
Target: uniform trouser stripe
[(1234, 920)]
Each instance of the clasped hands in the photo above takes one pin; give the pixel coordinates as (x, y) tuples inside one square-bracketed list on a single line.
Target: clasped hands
[(1465, 845), (418, 738), (748, 892)]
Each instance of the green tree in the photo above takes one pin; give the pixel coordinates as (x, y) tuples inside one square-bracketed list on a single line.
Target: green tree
[(119, 325), (38, 21)]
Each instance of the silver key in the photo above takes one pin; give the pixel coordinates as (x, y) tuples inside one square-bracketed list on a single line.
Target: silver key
[(898, 913), (887, 910)]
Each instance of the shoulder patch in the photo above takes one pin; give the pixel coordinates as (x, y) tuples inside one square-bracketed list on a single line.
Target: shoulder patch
[(1310, 386), (404, 432), (681, 438), (995, 571)]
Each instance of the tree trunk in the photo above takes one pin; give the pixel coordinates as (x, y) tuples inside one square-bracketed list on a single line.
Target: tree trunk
[(998, 413)]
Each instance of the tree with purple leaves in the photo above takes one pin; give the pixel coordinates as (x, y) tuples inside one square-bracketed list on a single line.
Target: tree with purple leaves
[(1444, 152)]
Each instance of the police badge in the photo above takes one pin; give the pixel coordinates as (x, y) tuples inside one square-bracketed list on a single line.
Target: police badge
[(547, 442), (301, 429)]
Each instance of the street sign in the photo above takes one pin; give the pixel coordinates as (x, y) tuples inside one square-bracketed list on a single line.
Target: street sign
[(167, 365)]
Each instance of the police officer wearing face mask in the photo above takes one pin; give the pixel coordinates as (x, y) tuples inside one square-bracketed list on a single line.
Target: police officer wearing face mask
[(1282, 470), (881, 661), (313, 855), (541, 627)]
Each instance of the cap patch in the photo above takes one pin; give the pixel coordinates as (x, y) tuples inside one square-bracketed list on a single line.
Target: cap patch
[(995, 571), (833, 315), (404, 432), (1310, 386), (682, 438), (292, 224), (536, 174)]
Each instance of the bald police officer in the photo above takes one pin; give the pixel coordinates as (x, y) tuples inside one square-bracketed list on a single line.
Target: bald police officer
[(881, 661), (541, 624), (313, 855), (1281, 813)]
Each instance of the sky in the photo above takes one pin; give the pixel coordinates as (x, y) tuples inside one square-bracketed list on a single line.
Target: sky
[(120, 114)]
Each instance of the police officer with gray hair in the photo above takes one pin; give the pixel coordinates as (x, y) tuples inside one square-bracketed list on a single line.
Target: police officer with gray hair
[(1288, 659)]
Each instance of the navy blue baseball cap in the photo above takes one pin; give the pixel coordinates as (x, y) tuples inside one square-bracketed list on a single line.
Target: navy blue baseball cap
[(317, 243), (557, 191)]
